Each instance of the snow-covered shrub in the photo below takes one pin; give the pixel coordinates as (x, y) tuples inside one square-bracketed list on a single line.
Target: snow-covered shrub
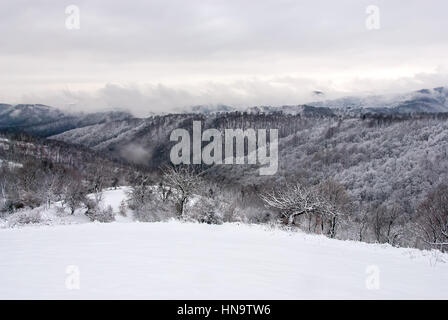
[(154, 210), (258, 215), (96, 213), (60, 211), (150, 204), (230, 213), (24, 217), (204, 210)]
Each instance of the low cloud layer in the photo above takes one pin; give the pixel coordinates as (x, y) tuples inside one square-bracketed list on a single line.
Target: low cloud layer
[(143, 100)]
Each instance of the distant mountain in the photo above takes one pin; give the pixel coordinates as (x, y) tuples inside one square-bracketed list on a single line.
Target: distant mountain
[(45, 121), (421, 101), (286, 109), (305, 110), (206, 109), (27, 115)]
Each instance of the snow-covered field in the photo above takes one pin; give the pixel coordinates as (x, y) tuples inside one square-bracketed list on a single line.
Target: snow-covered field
[(175, 260)]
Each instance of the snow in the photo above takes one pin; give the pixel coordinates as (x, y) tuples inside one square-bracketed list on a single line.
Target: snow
[(176, 260)]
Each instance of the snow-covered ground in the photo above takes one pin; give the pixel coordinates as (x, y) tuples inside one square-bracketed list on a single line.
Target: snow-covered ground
[(175, 260)]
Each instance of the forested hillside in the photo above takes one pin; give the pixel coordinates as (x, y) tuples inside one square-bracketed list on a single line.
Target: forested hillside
[(388, 164), (381, 170), (36, 171)]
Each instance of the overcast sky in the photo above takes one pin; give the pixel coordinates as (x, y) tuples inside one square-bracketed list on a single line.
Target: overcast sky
[(154, 55)]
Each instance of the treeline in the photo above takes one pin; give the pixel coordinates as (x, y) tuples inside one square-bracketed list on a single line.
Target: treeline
[(378, 119), (326, 208)]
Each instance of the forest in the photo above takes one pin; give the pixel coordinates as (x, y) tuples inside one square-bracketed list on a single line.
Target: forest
[(372, 178)]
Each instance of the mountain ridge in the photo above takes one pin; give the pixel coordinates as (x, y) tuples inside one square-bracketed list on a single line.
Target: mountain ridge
[(46, 121), (43, 120)]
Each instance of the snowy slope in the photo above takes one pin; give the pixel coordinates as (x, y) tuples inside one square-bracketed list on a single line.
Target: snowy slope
[(189, 261)]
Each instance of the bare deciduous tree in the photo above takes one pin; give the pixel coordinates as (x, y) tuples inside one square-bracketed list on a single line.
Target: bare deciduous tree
[(333, 203), (73, 192), (387, 224), (292, 201), (325, 204), (184, 181), (433, 218)]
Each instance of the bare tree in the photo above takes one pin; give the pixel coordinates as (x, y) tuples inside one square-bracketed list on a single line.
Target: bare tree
[(50, 187), (4, 182), (324, 204), (387, 224), (292, 201), (433, 218), (363, 223), (333, 203), (184, 181), (73, 192)]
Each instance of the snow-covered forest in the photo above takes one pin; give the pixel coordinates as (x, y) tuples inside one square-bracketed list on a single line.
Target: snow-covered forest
[(373, 178)]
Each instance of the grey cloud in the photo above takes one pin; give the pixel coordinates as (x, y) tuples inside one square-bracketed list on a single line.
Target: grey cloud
[(166, 53)]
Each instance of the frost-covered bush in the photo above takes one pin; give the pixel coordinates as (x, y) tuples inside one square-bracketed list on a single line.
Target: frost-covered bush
[(204, 210), (258, 215), (230, 214), (24, 217), (155, 210), (96, 213), (60, 211), (151, 204)]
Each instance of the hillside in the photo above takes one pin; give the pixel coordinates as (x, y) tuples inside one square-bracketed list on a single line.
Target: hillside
[(25, 148), (403, 152), (387, 164)]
